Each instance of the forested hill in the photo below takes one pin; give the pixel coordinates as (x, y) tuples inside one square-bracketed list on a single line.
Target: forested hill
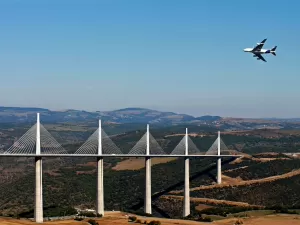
[(127, 115)]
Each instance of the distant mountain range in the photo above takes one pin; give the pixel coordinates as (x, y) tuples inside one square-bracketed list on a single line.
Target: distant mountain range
[(127, 115)]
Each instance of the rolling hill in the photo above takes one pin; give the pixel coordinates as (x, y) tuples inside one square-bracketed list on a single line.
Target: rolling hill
[(127, 115)]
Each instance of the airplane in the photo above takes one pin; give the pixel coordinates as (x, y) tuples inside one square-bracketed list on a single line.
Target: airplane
[(257, 50)]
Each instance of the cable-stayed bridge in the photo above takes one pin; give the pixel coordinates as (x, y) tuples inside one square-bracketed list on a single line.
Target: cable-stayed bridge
[(37, 142)]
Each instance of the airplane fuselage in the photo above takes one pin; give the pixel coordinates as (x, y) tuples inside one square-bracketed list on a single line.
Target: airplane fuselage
[(262, 51)]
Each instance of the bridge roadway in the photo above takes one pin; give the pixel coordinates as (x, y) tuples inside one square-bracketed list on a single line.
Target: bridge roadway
[(117, 155)]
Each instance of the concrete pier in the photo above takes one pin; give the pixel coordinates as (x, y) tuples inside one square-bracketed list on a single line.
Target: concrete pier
[(186, 200), (219, 172), (148, 208), (38, 211), (100, 187), (42, 205), (147, 205)]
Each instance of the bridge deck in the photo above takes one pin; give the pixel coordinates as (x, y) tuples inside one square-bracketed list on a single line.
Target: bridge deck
[(116, 155)]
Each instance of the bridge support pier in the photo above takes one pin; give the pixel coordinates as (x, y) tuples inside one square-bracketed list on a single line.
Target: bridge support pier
[(38, 212), (219, 176), (186, 200), (219, 171), (100, 187), (100, 191), (186, 205), (148, 203), (147, 206)]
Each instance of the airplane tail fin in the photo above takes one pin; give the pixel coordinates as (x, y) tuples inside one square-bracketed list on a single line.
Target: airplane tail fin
[(273, 50)]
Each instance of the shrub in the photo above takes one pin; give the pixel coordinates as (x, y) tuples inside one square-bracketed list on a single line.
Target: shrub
[(132, 218), (280, 209), (92, 222), (87, 214), (189, 217), (17, 216), (238, 222), (78, 219), (205, 219)]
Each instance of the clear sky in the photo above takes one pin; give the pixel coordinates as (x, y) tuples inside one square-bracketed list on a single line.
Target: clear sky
[(170, 55)]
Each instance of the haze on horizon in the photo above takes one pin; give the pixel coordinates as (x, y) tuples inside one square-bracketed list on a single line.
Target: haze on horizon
[(180, 56)]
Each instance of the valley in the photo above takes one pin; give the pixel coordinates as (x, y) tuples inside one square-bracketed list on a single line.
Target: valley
[(70, 183)]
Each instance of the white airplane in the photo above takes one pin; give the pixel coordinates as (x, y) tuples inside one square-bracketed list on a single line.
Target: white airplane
[(257, 50)]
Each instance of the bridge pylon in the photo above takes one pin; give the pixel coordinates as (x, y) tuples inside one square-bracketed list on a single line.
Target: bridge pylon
[(219, 163), (186, 199), (100, 187), (147, 206), (38, 208)]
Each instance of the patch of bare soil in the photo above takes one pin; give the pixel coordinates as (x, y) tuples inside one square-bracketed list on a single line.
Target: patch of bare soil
[(242, 167), (246, 156), (86, 172), (190, 134), (89, 164), (139, 163), (202, 206), (263, 220), (230, 180), (211, 201), (244, 182), (52, 173)]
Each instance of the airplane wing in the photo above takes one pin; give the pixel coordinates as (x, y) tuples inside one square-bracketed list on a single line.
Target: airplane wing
[(260, 57), (259, 46)]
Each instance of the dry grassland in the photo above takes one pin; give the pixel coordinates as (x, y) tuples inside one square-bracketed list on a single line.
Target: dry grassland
[(139, 163)]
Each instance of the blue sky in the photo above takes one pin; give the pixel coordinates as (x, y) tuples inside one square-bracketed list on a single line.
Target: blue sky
[(181, 56)]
